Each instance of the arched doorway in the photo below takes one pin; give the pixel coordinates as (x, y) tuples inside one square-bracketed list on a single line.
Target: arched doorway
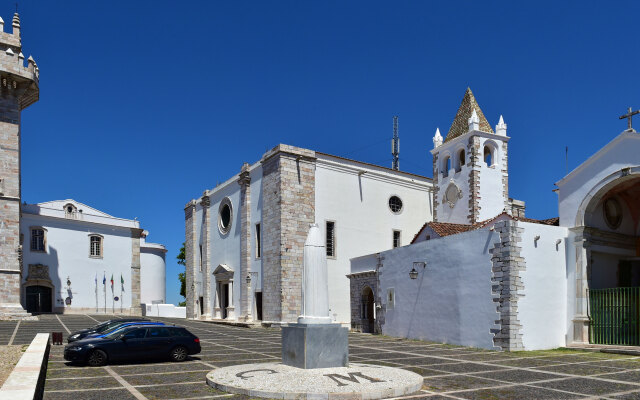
[(610, 259), (367, 305), (38, 299)]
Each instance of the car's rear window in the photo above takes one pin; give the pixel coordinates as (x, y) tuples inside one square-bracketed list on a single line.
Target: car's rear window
[(180, 332)]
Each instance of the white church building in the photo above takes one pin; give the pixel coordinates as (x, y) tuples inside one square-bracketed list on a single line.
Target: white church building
[(245, 237), (71, 252), (481, 274)]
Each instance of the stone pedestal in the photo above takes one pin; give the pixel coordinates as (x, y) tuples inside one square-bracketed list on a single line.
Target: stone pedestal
[(315, 346)]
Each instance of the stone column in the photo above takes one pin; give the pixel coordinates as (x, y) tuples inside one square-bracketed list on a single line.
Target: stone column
[(190, 248), (217, 311), (231, 309), (475, 158), (206, 255), (583, 280), (135, 271), (246, 295)]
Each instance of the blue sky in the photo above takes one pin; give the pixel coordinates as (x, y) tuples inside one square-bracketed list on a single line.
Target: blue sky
[(144, 105)]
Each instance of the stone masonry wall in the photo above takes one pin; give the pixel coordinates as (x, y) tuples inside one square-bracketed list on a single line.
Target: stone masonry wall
[(135, 272), (205, 202), (288, 189), (357, 284), (190, 257), (507, 284), (475, 158)]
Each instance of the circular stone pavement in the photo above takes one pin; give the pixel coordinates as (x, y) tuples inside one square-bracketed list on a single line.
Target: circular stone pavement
[(279, 381)]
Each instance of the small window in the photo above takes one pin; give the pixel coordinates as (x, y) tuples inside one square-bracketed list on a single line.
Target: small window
[(200, 258), (391, 298), (446, 166), (37, 239), (488, 156), (258, 244), (395, 204), (95, 246), (396, 239), (461, 160), (225, 216), (331, 239)]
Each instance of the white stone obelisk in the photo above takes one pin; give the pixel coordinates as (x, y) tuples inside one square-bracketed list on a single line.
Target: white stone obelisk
[(315, 288)]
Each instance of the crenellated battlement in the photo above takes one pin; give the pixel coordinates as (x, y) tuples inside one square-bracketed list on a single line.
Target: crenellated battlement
[(18, 76)]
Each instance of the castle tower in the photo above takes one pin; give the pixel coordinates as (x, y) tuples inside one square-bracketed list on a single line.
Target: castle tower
[(18, 90), (470, 167)]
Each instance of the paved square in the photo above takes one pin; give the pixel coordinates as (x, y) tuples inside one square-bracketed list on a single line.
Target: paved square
[(449, 372)]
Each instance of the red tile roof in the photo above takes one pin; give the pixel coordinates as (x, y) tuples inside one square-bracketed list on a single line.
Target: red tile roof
[(447, 229)]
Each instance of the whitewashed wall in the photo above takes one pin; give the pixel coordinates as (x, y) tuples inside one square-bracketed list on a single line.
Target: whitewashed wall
[(256, 218), (451, 300), (152, 273), (543, 309), (363, 221), (68, 256)]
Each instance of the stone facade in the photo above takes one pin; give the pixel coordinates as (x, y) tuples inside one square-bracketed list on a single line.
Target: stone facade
[(246, 298), (190, 258), (18, 89), (507, 284), (473, 149), (288, 190), (135, 272)]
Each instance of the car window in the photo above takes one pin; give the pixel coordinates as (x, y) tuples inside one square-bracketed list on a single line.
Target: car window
[(158, 332), (180, 332), (135, 334)]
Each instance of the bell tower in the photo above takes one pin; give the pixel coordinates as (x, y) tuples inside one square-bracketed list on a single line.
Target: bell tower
[(18, 90), (470, 177)]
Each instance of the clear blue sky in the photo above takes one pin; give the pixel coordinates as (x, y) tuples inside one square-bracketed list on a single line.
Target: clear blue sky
[(145, 104)]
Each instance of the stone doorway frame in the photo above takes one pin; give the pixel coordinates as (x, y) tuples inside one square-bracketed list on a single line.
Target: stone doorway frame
[(223, 276), (38, 275)]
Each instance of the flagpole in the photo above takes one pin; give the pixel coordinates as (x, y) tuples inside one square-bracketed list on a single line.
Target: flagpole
[(97, 306), (104, 283), (121, 285), (113, 302)]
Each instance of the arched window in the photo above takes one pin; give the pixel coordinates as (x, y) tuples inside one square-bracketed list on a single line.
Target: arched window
[(488, 156), (446, 166), (461, 160), (95, 246)]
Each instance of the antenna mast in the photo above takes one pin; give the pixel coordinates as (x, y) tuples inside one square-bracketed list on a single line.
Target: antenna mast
[(395, 146)]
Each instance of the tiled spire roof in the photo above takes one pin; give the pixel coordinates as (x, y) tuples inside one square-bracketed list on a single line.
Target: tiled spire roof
[(460, 124)]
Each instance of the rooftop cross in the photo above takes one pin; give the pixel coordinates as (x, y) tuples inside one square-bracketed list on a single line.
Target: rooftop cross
[(628, 116)]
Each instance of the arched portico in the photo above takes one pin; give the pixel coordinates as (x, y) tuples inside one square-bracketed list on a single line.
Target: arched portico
[(367, 305), (607, 245)]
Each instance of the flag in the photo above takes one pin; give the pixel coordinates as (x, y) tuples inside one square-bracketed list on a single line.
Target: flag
[(122, 282), (104, 279), (112, 282)]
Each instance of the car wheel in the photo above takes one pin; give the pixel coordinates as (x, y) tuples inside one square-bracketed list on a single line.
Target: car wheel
[(178, 353), (97, 358)]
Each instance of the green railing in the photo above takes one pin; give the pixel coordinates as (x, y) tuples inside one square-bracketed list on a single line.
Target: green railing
[(614, 316)]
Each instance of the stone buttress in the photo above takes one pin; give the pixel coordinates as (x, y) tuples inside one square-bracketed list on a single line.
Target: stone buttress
[(288, 193)]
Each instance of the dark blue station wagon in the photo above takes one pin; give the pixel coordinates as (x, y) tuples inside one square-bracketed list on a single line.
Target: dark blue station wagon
[(134, 343)]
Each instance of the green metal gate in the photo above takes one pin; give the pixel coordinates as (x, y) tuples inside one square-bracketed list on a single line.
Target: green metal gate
[(614, 316)]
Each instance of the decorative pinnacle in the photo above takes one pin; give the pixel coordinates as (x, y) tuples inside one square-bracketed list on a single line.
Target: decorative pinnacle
[(437, 138), (16, 20), (501, 128), (474, 121)]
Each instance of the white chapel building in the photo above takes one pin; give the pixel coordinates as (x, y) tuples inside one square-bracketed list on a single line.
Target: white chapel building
[(482, 274), (245, 237), (71, 252)]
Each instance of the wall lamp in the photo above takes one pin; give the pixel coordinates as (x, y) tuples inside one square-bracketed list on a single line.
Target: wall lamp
[(413, 274)]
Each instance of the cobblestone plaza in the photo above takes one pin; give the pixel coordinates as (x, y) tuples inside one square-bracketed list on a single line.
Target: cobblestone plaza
[(450, 372)]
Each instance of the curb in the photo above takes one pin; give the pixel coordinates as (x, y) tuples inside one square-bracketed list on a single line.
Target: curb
[(26, 381)]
